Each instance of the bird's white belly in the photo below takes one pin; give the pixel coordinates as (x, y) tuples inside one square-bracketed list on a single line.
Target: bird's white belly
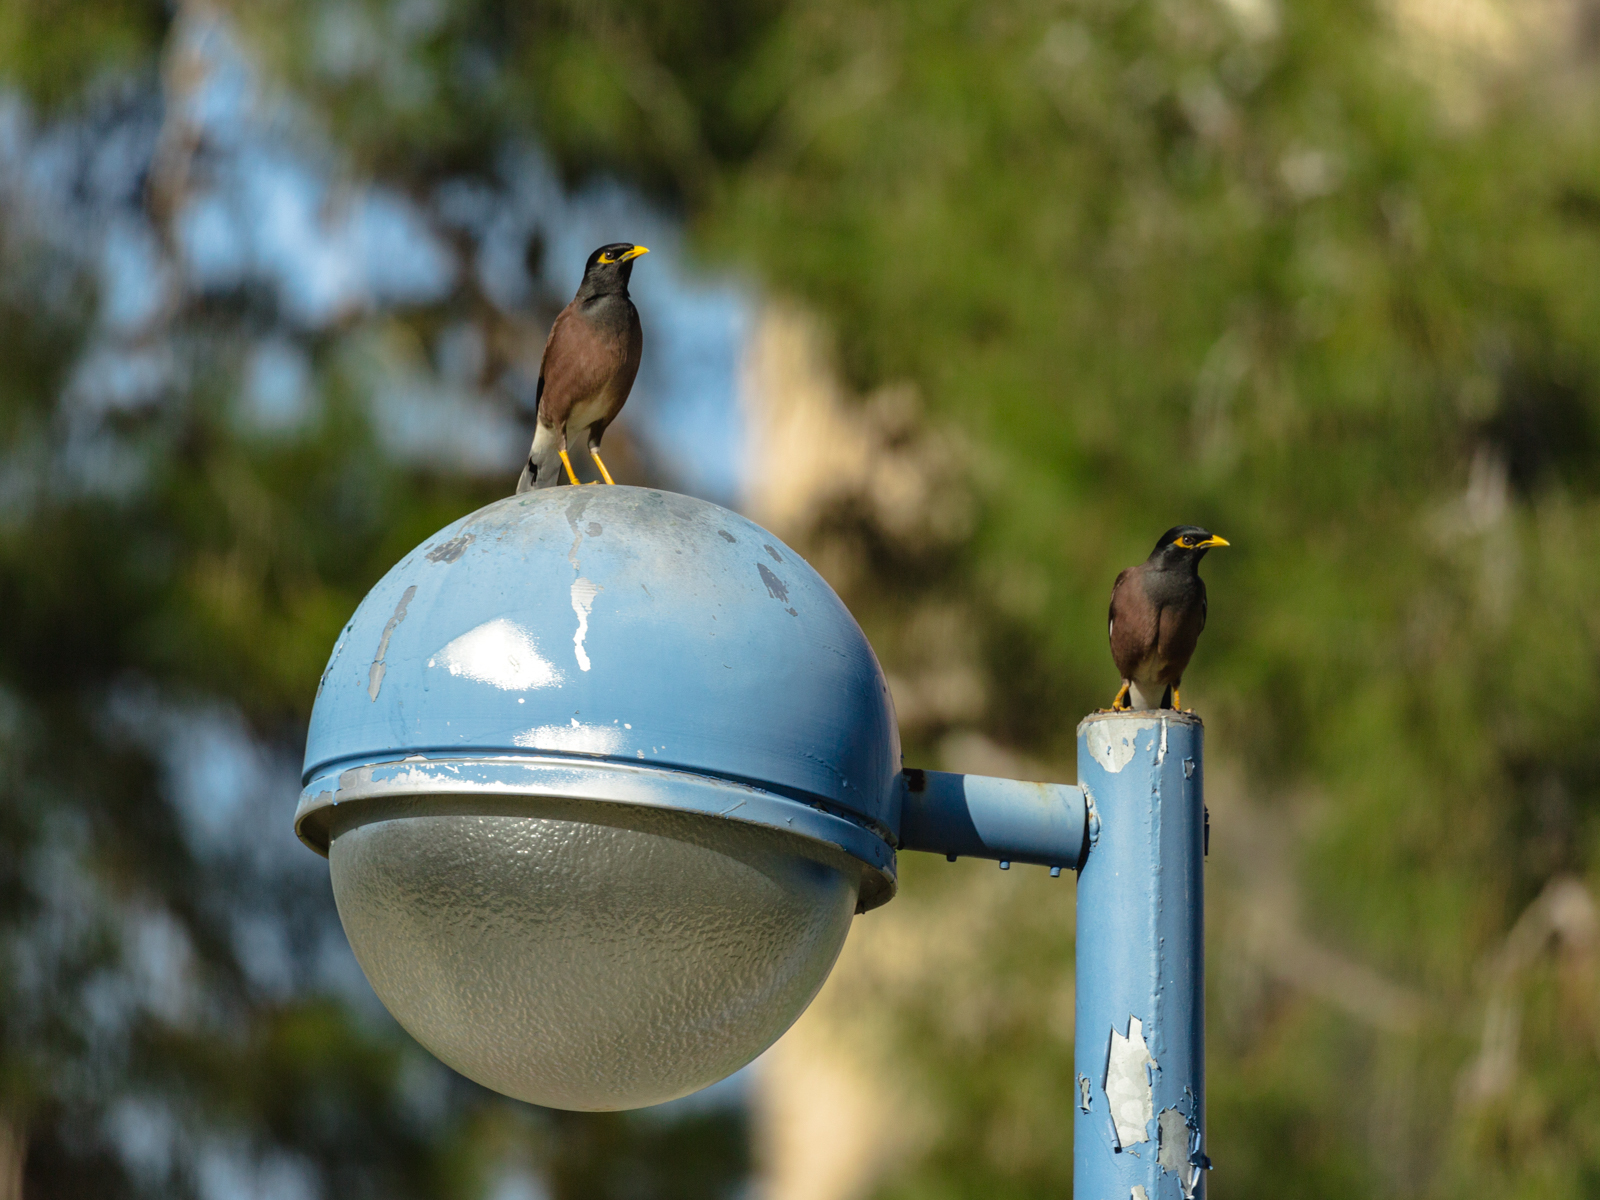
[(585, 413)]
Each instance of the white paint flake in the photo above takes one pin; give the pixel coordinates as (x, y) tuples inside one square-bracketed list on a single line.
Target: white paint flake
[(1111, 742), (583, 594), (1128, 1090), (501, 653)]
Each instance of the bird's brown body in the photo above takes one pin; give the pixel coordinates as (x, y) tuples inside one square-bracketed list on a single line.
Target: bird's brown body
[(590, 360), (1158, 610)]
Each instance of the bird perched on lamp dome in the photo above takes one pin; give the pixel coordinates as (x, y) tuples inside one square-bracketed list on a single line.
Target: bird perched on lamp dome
[(590, 360), (1157, 612)]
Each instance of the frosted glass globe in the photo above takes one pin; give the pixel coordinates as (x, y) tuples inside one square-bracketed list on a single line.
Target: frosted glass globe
[(587, 955)]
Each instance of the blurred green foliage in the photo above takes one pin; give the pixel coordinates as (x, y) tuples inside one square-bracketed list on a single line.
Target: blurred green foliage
[(1309, 274)]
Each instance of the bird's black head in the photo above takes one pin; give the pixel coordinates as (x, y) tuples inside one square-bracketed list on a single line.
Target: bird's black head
[(1184, 545), (609, 267)]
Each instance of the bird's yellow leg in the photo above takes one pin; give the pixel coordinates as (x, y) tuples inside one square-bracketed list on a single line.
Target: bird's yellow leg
[(594, 453), (566, 462), (1121, 702), (1177, 705)]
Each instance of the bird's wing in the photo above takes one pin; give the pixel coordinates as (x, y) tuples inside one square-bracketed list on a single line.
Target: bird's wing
[(578, 362), (1111, 616), (1134, 622)]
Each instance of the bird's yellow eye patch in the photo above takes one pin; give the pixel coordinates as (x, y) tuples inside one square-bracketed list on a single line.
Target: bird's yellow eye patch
[(605, 258)]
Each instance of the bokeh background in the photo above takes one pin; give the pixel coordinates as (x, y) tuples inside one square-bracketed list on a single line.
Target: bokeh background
[(967, 299)]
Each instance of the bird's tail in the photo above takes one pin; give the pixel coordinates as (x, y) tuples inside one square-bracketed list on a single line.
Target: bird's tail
[(543, 468)]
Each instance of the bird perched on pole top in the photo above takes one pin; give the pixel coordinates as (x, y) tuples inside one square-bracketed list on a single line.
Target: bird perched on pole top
[(590, 359), (1157, 612)]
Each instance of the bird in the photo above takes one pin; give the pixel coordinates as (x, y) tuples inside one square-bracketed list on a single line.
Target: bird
[(1157, 612), (590, 360)]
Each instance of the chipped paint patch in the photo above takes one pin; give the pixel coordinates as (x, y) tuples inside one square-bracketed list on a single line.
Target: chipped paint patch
[(776, 588), (1111, 742), (583, 590), (1178, 1146), (377, 671), (1138, 1193), (1128, 1089), (573, 738), (500, 653), (338, 649), (1085, 1093), (448, 552), (1172, 1140), (583, 594), (575, 509)]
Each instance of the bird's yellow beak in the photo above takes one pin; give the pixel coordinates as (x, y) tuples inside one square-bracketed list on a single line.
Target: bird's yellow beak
[(1213, 540), (634, 253)]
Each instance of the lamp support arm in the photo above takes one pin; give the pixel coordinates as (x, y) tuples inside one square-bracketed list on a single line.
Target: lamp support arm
[(978, 816)]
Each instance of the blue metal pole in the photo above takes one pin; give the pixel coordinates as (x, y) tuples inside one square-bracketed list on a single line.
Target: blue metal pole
[(1139, 1128)]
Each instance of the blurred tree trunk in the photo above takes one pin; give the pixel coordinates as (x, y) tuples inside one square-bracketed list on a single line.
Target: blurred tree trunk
[(13, 1147)]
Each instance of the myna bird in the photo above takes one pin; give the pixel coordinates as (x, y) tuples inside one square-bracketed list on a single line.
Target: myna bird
[(1157, 612), (590, 359)]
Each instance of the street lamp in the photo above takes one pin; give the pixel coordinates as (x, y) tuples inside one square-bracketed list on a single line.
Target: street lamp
[(603, 775)]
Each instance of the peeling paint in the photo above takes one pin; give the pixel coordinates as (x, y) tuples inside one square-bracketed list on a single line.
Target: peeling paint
[(583, 594), (501, 653), (726, 536), (575, 510), (776, 588), (1161, 753), (378, 669), (1128, 1088), (583, 590), (1172, 1140), (1138, 1193), (338, 649), (776, 557), (1180, 1146), (1111, 742), (448, 552), (1085, 1093)]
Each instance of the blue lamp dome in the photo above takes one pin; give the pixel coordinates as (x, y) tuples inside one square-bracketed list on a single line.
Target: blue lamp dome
[(632, 749)]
